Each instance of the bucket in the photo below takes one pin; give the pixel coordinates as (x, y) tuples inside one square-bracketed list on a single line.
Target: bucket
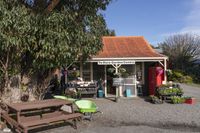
[(128, 92), (100, 93)]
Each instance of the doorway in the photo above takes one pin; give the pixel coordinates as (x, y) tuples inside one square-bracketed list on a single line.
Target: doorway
[(111, 90), (129, 81)]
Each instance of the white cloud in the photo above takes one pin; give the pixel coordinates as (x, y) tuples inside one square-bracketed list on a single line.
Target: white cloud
[(192, 20)]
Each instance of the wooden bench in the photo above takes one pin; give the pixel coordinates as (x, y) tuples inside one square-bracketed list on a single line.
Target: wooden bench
[(33, 122), (32, 115)]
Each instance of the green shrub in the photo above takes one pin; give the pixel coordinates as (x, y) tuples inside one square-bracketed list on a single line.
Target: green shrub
[(187, 97), (155, 100), (179, 76), (177, 99), (186, 79), (170, 91)]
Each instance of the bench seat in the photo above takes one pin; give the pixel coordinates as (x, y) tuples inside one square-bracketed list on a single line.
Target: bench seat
[(49, 120)]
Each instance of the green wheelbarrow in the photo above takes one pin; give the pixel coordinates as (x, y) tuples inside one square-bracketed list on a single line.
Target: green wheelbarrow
[(87, 107), (64, 98)]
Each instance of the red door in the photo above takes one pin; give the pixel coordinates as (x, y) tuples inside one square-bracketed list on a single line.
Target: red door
[(155, 78)]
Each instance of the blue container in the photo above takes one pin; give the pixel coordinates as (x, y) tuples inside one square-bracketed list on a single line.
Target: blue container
[(128, 92), (100, 93)]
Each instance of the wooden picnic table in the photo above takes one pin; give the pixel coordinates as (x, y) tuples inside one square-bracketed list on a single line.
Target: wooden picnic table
[(31, 115)]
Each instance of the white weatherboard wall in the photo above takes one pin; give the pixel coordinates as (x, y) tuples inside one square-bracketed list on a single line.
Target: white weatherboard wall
[(117, 63)]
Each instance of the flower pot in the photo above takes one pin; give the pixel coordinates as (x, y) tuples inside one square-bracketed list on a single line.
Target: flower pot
[(190, 101)]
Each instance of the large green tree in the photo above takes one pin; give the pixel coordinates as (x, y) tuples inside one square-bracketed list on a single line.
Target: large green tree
[(66, 31), (14, 22), (42, 37)]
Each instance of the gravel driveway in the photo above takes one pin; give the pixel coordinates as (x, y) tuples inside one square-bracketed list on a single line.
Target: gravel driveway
[(191, 91), (139, 116)]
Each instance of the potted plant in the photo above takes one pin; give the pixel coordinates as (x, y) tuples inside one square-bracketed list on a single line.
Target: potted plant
[(189, 100), (155, 100), (177, 99)]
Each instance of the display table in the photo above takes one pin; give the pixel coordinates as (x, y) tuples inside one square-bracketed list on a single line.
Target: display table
[(88, 90)]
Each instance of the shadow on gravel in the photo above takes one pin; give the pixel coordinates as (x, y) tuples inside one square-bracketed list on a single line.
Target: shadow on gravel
[(145, 98), (110, 98), (169, 126), (54, 126)]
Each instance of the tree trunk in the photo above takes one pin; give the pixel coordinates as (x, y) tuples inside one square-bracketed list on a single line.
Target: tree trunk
[(5, 66), (51, 6), (7, 81)]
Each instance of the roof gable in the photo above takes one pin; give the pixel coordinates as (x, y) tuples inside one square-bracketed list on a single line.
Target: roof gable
[(123, 47)]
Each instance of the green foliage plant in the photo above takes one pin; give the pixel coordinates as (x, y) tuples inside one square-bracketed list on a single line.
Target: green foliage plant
[(177, 99), (35, 40)]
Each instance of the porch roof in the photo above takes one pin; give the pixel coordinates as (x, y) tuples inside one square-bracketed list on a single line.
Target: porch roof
[(132, 47)]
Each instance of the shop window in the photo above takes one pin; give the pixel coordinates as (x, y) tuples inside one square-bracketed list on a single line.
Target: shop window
[(98, 71), (130, 70), (86, 72), (139, 72)]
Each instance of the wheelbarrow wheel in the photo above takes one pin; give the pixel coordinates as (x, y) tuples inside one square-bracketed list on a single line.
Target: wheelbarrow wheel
[(91, 118), (88, 116)]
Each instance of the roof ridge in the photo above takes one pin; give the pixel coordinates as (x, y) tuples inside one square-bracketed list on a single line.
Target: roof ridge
[(123, 36)]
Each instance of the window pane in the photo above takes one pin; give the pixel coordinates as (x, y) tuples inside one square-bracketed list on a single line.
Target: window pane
[(86, 72)]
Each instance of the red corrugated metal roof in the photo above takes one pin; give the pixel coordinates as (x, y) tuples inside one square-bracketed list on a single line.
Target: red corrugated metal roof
[(123, 47)]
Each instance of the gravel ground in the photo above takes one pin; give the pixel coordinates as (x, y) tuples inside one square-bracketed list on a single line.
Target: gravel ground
[(191, 91), (139, 116)]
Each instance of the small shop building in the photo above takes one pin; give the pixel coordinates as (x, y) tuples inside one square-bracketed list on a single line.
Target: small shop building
[(134, 56)]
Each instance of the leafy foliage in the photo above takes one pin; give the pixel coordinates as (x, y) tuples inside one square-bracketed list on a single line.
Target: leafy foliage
[(41, 37), (155, 99), (177, 99), (122, 72), (14, 22), (179, 76), (170, 91), (67, 34)]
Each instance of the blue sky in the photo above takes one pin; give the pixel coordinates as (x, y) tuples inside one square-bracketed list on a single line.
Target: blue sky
[(153, 19)]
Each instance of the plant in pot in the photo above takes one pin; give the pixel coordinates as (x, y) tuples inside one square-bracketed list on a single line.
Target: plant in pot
[(189, 100), (155, 99), (179, 91), (177, 99)]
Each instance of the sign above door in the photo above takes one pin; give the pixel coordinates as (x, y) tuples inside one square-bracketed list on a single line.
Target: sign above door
[(124, 62)]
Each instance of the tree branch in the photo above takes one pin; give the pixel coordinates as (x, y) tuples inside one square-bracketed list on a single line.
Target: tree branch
[(52, 5), (7, 58), (3, 65)]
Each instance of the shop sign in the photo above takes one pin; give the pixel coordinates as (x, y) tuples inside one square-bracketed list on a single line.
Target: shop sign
[(126, 62)]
